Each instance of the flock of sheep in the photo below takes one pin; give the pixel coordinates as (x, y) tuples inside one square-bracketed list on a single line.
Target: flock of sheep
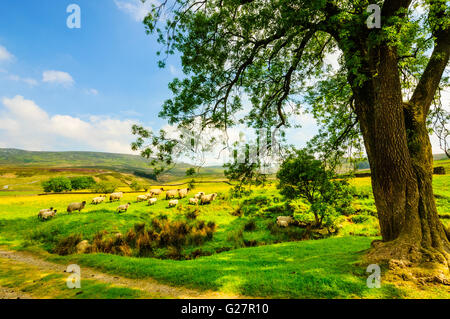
[(151, 197)]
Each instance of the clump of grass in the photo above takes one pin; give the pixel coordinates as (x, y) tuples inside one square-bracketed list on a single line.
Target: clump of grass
[(113, 244), (250, 225), (192, 214), (199, 253), (143, 240), (359, 219), (67, 245), (236, 237), (250, 243), (291, 233), (238, 211)]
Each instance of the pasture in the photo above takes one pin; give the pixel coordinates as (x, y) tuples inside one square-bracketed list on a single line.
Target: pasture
[(245, 253)]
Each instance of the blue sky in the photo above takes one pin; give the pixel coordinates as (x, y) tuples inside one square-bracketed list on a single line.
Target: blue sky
[(82, 89), (106, 69)]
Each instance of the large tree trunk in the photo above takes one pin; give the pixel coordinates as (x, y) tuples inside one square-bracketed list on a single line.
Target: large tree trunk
[(400, 157)]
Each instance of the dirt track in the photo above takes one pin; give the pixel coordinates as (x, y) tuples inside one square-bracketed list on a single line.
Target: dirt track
[(148, 285)]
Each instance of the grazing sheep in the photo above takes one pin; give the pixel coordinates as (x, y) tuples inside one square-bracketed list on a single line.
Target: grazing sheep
[(171, 193), (284, 221), (123, 208), (44, 212), (76, 206), (141, 198), (98, 200), (48, 214), (173, 202), (148, 195), (183, 192), (115, 196), (193, 201), (156, 191), (152, 201), (206, 199), (199, 195)]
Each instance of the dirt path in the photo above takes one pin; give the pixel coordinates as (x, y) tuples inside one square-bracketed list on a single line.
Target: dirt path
[(147, 285), (9, 293)]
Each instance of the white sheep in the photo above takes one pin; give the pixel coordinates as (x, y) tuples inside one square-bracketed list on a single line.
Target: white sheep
[(173, 202), (206, 199), (284, 221), (199, 195), (141, 198), (48, 214), (98, 200), (115, 196), (193, 201), (123, 208), (152, 201)]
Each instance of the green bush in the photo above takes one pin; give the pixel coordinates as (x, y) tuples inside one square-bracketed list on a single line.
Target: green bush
[(104, 187), (250, 225), (57, 185), (136, 186), (82, 182), (301, 176)]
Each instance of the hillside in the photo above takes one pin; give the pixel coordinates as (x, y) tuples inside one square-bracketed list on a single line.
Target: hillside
[(126, 163)]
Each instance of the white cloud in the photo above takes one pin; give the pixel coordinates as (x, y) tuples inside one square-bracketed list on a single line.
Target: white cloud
[(23, 124), (58, 77), (91, 91), (135, 8), (173, 70), (29, 81), (5, 55)]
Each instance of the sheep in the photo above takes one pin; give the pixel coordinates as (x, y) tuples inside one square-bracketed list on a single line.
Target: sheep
[(199, 194), (115, 196), (206, 199), (141, 198), (193, 201), (156, 191), (42, 211), (171, 193), (48, 214), (98, 200), (148, 195), (284, 221), (152, 201), (183, 192), (173, 202), (123, 208), (76, 206)]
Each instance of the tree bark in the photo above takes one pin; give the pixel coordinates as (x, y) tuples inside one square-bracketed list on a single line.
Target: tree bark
[(401, 161)]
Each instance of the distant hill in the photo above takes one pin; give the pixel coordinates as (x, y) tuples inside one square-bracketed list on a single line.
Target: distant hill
[(127, 163)]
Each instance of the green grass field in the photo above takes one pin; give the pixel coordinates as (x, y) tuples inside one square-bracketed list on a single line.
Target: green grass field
[(247, 254)]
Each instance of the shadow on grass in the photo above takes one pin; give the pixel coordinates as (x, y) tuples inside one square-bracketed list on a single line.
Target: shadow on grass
[(310, 269)]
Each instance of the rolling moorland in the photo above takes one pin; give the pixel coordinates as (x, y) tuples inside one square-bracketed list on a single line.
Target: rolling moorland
[(231, 247)]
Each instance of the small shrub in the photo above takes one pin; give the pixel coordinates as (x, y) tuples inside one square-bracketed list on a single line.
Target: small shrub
[(67, 245), (199, 253), (192, 214), (236, 237), (104, 187), (250, 225), (57, 185), (238, 212), (82, 182), (359, 219), (136, 186), (250, 243)]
